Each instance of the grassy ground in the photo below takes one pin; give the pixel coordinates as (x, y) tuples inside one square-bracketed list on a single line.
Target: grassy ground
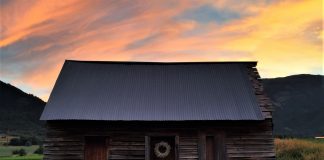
[(6, 153), (27, 157), (299, 149)]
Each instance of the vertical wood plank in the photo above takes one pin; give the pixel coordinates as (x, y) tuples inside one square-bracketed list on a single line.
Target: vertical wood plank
[(220, 147), (202, 146), (107, 147), (147, 147), (177, 147)]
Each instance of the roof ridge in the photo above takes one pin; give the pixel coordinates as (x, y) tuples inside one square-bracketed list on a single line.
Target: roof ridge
[(254, 63)]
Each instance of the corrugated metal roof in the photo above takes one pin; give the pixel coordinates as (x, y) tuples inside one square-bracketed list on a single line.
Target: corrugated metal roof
[(152, 91)]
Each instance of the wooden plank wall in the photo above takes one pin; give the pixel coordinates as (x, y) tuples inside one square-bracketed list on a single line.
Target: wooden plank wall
[(253, 142), (60, 144), (250, 142), (242, 141), (68, 144), (188, 147), (264, 101), (123, 146)]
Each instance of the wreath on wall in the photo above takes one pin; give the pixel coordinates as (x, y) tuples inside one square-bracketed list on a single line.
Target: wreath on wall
[(162, 149)]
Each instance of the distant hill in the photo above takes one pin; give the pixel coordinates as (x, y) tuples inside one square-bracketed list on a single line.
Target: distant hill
[(20, 112), (299, 109), (299, 100)]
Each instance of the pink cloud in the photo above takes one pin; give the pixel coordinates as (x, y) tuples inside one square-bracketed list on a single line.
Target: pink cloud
[(37, 36)]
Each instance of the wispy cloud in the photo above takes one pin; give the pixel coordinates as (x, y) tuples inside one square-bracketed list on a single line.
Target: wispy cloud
[(286, 37)]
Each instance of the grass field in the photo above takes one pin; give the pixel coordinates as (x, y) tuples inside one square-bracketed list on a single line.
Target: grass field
[(27, 157), (299, 149), (6, 153)]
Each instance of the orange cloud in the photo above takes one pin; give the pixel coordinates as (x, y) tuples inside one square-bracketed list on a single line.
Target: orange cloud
[(286, 37), (281, 35), (23, 17)]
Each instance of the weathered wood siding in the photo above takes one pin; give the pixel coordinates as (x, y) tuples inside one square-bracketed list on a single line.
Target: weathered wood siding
[(62, 144), (253, 141), (125, 146), (250, 142), (188, 147), (242, 140), (264, 101)]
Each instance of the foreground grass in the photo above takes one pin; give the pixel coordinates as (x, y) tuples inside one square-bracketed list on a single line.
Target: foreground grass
[(7, 150), (6, 153), (27, 157), (299, 149)]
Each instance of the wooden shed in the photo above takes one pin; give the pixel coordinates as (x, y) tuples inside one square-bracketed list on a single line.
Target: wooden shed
[(158, 111)]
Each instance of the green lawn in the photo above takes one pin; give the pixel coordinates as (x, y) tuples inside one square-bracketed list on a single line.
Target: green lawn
[(28, 157), (6, 153)]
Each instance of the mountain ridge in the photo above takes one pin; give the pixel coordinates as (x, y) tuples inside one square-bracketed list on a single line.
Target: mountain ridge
[(20, 112), (298, 102)]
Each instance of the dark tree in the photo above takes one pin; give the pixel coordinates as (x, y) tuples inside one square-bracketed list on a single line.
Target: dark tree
[(14, 142)]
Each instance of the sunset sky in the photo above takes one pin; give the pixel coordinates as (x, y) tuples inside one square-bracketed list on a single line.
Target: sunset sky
[(285, 37)]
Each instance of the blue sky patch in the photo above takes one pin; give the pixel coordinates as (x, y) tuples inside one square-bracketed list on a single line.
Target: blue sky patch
[(207, 14)]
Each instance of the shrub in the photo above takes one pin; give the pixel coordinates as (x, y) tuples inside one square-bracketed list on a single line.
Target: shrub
[(14, 142), (14, 152), (20, 152), (39, 150), (28, 143)]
